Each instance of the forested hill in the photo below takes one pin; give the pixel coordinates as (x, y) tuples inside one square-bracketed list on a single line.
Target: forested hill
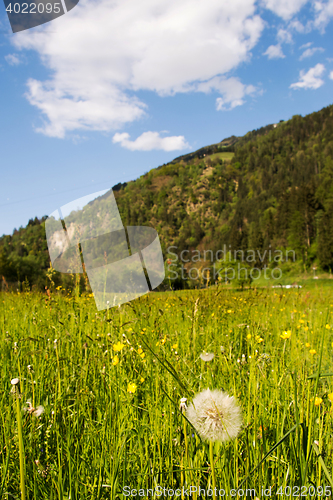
[(270, 189)]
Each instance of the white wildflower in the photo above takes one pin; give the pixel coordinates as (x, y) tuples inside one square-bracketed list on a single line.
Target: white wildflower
[(215, 415), (207, 356)]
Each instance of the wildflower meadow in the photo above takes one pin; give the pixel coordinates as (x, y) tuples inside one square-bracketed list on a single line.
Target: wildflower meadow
[(115, 403)]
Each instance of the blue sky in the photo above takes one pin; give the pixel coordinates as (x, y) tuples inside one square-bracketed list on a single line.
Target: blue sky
[(114, 88)]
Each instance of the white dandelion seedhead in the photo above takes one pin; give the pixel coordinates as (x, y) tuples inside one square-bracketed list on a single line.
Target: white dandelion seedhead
[(36, 412), (215, 415), (207, 356), (182, 405), (15, 389)]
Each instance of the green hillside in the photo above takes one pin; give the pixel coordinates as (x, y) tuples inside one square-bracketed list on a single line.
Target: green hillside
[(268, 191)]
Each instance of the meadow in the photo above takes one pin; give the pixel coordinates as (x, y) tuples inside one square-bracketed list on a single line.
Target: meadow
[(110, 384)]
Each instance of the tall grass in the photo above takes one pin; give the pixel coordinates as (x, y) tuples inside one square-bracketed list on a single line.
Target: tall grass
[(95, 437)]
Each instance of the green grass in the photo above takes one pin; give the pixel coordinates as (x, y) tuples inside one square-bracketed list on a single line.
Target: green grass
[(95, 437), (221, 156)]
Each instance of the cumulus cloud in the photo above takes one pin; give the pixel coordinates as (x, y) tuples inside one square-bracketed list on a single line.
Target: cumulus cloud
[(232, 90), (284, 8), (324, 13), (296, 25), (311, 79), (284, 36), (101, 53), (13, 59), (274, 52), (331, 75), (150, 140), (310, 51)]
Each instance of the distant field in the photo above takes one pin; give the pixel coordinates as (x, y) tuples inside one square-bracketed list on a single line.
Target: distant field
[(221, 156), (111, 381)]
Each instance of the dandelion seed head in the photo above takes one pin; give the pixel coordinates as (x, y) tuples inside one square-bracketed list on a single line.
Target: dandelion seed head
[(15, 381), (207, 356), (38, 411), (215, 415), (183, 404)]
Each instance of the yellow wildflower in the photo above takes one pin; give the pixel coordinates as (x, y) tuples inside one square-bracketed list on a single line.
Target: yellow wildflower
[(131, 388), (115, 360), (142, 380), (312, 351), (328, 327), (248, 336), (175, 346), (140, 350), (318, 401), (163, 340), (118, 347), (286, 335), (307, 344), (330, 397)]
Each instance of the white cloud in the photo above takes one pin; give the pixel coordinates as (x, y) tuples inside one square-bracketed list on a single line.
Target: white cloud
[(274, 52), (101, 53), (309, 52), (311, 79), (284, 8), (296, 25), (306, 45), (150, 140), (324, 13), (331, 75), (284, 36), (232, 90), (13, 59)]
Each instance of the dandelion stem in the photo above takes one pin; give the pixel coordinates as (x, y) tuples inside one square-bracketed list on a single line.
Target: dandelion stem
[(212, 467), (21, 448), (187, 453)]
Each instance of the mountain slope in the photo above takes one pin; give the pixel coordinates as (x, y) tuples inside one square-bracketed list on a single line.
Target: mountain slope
[(271, 189)]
